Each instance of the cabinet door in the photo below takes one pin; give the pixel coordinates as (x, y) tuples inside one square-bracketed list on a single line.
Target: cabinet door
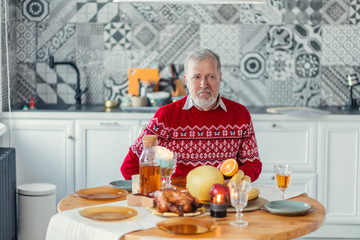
[(287, 142), (44, 152), (339, 159), (101, 146)]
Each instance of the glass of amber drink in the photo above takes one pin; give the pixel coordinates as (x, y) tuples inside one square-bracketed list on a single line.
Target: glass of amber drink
[(283, 177), (168, 167)]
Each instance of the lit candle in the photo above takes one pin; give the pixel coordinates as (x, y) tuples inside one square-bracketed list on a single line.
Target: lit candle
[(218, 205)]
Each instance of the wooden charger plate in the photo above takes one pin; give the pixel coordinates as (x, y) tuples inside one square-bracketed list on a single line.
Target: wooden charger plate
[(101, 193), (108, 213), (187, 225)]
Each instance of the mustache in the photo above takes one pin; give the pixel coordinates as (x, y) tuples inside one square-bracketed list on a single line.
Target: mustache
[(205, 90)]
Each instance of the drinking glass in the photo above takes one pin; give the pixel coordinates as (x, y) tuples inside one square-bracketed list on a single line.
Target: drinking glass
[(168, 167), (283, 177), (239, 193)]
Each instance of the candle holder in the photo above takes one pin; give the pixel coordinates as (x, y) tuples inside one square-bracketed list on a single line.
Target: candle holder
[(218, 205)]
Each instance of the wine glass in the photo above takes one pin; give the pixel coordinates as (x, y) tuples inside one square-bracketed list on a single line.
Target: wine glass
[(239, 193), (283, 177), (168, 167)]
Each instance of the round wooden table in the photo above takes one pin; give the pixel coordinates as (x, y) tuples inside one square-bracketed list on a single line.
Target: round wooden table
[(262, 225)]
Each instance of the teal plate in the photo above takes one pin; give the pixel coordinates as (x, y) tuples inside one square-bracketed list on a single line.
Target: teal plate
[(289, 208), (123, 184)]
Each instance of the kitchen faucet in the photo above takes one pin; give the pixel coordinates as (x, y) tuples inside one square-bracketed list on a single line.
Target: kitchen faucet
[(353, 80), (78, 91)]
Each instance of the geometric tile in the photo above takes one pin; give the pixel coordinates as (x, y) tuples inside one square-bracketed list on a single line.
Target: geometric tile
[(222, 39), (96, 12), (280, 65), (116, 64), (341, 45), (146, 11), (25, 83), (55, 85), (280, 37), (307, 38), (260, 13), (235, 87), (26, 42), (279, 93), (107, 12), (145, 36), (145, 58), (115, 91), (91, 62), (253, 37), (90, 35), (302, 12), (227, 13), (55, 42), (117, 36), (175, 43), (65, 92), (334, 85), (46, 93), (252, 65), (45, 74), (307, 65), (35, 10), (306, 92), (335, 11), (203, 14), (354, 12), (170, 13), (129, 13)]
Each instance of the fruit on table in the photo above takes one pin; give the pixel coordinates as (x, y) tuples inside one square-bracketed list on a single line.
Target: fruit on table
[(200, 180), (254, 193), (246, 178), (229, 167), (218, 188), (238, 176)]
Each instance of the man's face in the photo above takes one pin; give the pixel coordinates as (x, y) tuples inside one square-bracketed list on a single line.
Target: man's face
[(203, 81)]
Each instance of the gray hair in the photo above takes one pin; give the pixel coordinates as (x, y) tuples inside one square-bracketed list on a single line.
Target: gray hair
[(201, 54)]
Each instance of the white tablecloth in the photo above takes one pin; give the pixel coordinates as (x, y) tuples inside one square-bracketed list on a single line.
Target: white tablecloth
[(70, 225)]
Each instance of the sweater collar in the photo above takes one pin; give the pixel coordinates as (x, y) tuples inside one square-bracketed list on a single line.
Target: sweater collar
[(190, 103)]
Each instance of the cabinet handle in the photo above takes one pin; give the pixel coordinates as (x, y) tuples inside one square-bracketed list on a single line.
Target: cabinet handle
[(274, 125), (71, 137), (109, 123), (273, 177)]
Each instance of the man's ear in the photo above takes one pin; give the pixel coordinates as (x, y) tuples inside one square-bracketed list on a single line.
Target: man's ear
[(185, 79)]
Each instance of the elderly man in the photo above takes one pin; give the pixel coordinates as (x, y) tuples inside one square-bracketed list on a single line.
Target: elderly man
[(202, 128)]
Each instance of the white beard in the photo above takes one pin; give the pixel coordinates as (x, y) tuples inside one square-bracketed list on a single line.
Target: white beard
[(203, 103)]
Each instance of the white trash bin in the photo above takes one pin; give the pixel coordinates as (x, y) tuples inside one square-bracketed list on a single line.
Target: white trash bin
[(36, 205)]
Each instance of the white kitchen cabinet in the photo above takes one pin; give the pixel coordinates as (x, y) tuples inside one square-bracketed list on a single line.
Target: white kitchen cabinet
[(339, 168), (44, 152), (291, 142), (101, 146), (287, 142)]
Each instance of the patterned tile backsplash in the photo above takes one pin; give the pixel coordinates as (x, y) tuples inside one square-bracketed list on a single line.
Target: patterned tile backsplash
[(285, 52)]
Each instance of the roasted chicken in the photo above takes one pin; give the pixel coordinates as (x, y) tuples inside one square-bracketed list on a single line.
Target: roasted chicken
[(171, 200)]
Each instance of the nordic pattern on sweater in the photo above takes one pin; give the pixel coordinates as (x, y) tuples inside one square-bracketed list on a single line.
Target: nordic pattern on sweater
[(203, 137)]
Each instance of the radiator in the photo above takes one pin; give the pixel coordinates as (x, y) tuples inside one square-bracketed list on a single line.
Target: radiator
[(8, 217)]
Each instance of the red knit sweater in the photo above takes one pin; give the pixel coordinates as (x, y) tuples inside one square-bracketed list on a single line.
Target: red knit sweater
[(201, 138)]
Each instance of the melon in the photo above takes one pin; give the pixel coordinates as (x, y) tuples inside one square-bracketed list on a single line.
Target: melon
[(200, 180)]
